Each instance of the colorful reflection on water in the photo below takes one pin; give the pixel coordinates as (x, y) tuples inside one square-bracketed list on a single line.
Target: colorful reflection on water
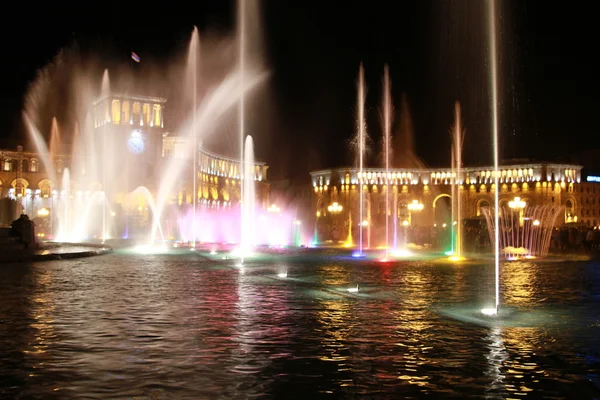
[(192, 325)]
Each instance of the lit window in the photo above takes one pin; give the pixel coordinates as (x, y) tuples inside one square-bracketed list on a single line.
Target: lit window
[(125, 114), (146, 112), (116, 111), (33, 165), (136, 113), (157, 114)]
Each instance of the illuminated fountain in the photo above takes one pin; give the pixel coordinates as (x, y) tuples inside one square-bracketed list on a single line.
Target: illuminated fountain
[(494, 106), (77, 195), (524, 231), (248, 221), (387, 149), (244, 228), (457, 136), (360, 143)]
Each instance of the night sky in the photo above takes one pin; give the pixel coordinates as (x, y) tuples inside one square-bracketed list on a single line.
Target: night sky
[(437, 53)]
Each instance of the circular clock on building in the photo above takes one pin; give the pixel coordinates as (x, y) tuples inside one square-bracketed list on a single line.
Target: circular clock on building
[(136, 144)]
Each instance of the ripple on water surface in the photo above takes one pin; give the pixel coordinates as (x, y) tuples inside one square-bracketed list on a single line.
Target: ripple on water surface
[(196, 326)]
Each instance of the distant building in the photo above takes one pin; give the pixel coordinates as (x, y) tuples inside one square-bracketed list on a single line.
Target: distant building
[(129, 148), (538, 184)]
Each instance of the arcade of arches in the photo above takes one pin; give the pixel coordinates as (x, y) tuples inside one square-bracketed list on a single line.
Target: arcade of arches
[(424, 197)]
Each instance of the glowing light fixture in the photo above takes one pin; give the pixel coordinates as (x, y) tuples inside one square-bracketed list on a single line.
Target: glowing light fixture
[(273, 209), (517, 203), (335, 208), (415, 206)]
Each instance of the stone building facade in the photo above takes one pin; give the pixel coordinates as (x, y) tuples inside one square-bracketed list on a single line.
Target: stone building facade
[(423, 197)]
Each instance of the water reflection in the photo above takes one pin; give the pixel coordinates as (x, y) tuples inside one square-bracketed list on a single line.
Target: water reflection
[(159, 326), (496, 357)]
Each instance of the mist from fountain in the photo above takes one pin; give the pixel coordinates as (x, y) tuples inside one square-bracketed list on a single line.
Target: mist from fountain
[(82, 209), (55, 142)]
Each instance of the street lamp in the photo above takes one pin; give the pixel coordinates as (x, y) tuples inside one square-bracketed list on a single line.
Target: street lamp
[(415, 206), (412, 207), (273, 209), (518, 204), (335, 208)]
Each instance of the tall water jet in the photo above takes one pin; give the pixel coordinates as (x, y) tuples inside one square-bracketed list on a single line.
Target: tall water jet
[(494, 107), (361, 152), (457, 136), (242, 55), (248, 201), (192, 66), (104, 91), (387, 149)]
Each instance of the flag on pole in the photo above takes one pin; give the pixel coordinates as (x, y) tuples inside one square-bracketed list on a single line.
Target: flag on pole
[(135, 57)]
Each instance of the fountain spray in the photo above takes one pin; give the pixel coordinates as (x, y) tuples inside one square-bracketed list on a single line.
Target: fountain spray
[(387, 116), (193, 61), (361, 150), (242, 48), (457, 196), (494, 105)]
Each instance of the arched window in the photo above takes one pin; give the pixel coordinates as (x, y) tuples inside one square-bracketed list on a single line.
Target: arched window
[(20, 186), (483, 204), (569, 211), (59, 166), (25, 166), (45, 188), (33, 167)]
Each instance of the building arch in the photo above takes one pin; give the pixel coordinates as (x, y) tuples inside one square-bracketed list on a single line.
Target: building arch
[(482, 202), (235, 194), (20, 185), (45, 186), (224, 194), (570, 209), (439, 196)]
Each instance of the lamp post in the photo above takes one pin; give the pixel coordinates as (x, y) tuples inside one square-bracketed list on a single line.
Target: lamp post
[(413, 207), (335, 208), (518, 204)]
